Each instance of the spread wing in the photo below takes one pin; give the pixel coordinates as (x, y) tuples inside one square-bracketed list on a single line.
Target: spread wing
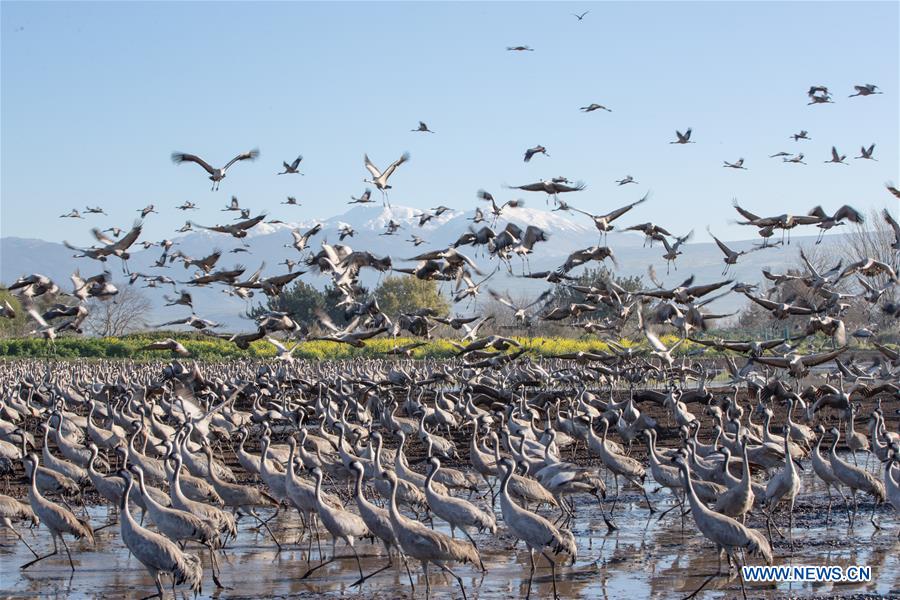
[(129, 238), (725, 249), (98, 235), (767, 304), (251, 155), (180, 157), (396, 164), (371, 168), (817, 359)]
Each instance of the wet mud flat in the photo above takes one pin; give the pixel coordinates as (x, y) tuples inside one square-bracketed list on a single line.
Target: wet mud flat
[(645, 557)]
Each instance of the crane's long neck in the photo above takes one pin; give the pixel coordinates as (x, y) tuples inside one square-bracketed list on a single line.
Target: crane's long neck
[(745, 473), (90, 464), (262, 454), (131, 440), (358, 492), (319, 487), (396, 517), (788, 459), (292, 448), (175, 485), (398, 457), (889, 479), (123, 502), (818, 446), (696, 506), (651, 446), (212, 472), (506, 503), (33, 481), (430, 477), (378, 442), (147, 498)]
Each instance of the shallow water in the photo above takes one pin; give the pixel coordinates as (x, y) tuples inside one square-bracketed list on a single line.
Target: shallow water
[(646, 557)]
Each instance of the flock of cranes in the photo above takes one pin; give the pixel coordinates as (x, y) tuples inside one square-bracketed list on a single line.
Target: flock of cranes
[(172, 440), (499, 431)]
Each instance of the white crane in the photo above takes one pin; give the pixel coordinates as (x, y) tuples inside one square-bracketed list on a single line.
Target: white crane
[(220, 520), (784, 487), (536, 531), (621, 466), (855, 478), (241, 497), (728, 535), (426, 545), (57, 519), (457, 512), (739, 498), (378, 521), (179, 525), (340, 523), (379, 178), (215, 175), (823, 469), (157, 553)]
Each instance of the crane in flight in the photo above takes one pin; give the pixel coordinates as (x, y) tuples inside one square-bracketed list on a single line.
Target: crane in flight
[(292, 169), (380, 178), (215, 175)]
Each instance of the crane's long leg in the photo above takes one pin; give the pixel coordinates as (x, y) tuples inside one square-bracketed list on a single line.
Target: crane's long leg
[(68, 554), (40, 558), (18, 535), (668, 510), (646, 497), (610, 526), (358, 564), (552, 573), (531, 575), (427, 583), (266, 525), (474, 545), (455, 576), (159, 589), (616, 500), (214, 564), (708, 579), (370, 575), (872, 518), (791, 524), (406, 565)]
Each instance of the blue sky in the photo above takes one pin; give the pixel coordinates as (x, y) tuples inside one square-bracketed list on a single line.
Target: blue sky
[(96, 96)]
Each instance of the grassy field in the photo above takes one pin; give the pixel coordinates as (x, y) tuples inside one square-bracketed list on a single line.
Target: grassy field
[(209, 348)]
